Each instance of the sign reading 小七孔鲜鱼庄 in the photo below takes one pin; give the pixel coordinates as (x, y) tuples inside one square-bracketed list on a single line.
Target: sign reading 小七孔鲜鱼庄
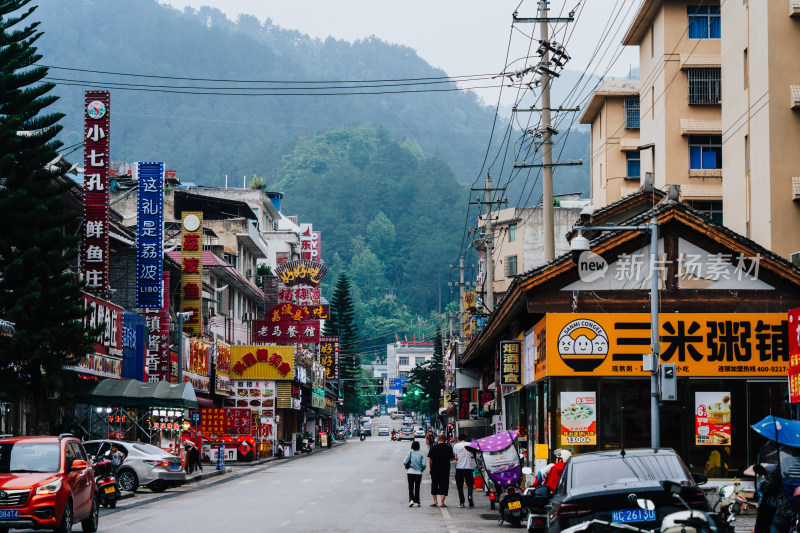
[(96, 155)]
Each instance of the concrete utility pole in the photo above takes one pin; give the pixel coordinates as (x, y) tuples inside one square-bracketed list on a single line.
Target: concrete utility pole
[(547, 145), (546, 70)]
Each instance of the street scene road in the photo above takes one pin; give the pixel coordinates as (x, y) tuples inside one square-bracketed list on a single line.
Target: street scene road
[(355, 486)]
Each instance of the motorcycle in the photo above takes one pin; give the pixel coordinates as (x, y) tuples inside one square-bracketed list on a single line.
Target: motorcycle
[(535, 500), (394, 435), (731, 502), (106, 482), (306, 447), (499, 463), (363, 436)]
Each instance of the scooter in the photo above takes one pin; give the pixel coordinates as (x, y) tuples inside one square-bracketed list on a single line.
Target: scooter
[(106, 482), (306, 447), (394, 436), (731, 502), (535, 500), (363, 436)]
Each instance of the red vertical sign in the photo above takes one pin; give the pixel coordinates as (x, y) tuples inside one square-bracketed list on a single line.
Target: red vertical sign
[(157, 363), (96, 154), (794, 355)]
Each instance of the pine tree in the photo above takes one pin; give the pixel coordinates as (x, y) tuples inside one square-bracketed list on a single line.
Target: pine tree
[(37, 293), (341, 323)]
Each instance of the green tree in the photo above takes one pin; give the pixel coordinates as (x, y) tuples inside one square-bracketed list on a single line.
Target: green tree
[(341, 323), (37, 292), (428, 378)]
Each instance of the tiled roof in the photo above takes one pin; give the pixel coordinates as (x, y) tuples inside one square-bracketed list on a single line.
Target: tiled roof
[(795, 90), (701, 60), (701, 191), (796, 187), (692, 126)]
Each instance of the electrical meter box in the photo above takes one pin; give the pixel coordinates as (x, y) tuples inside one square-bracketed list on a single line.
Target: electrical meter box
[(668, 378)]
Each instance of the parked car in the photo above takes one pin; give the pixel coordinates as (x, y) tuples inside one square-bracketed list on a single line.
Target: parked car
[(406, 432), (144, 465), (383, 430), (601, 484), (46, 483), (419, 431)]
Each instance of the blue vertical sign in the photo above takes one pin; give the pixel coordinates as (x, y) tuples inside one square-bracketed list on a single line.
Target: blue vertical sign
[(150, 235), (134, 335)]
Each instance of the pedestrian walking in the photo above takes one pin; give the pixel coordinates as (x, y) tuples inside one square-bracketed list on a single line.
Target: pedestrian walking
[(439, 457), (415, 466), (430, 439), (464, 469)]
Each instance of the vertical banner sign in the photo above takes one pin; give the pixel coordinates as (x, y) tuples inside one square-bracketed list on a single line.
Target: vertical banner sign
[(150, 235), (192, 271), (511, 363), (794, 355), (712, 416), (464, 399), (578, 418), (96, 154), (157, 355), (329, 357), (309, 243)]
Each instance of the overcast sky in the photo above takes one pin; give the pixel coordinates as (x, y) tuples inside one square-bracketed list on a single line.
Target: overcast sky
[(462, 37)]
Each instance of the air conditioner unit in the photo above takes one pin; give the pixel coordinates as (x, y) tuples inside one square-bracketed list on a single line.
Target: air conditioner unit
[(795, 257)]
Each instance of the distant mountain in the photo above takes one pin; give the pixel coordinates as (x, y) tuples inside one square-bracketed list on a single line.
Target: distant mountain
[(205, 137)]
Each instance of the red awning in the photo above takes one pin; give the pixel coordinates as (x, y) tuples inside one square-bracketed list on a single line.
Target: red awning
[(204, 402)]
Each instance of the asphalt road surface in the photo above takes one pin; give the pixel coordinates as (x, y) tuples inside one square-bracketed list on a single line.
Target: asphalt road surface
[(355, 486)]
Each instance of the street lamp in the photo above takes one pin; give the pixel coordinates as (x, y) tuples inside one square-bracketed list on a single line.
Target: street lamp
[(579, 247)]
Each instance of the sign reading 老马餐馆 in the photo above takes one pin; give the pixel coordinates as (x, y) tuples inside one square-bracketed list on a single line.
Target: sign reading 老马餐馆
[(712, 416), (578, 418), (511, 362), (700, 344)]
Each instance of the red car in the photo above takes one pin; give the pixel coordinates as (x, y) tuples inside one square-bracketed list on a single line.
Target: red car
[(46, 483)]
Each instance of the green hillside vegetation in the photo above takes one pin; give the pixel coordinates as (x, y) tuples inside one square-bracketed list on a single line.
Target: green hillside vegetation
[(390, 216)]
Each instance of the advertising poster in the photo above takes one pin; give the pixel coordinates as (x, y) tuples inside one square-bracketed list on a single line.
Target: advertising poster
[(578, 418), (712, 420), (794, 355)]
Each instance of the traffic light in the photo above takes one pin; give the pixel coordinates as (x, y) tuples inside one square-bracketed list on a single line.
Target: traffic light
[(405, 390)]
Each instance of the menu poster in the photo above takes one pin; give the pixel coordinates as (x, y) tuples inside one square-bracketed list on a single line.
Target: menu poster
[(578, 418), (257, 394), (712, 418)]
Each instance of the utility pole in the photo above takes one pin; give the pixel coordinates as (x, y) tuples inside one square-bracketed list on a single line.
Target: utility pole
[(546, 70), (488, 235)]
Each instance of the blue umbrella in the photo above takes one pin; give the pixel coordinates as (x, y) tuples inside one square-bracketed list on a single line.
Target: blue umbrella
[(780, 430)]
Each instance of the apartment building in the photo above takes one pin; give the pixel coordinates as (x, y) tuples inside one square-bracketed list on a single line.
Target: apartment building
[(680, 95), (519, 239), (761, 121), (614, 151), (403, 356)]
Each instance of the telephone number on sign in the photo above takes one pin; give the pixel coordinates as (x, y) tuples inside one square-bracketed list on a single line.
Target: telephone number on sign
[(772, 369), (579, 440)]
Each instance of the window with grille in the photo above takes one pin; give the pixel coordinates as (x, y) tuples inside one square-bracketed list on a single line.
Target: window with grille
[(512, 232), (511, 266), (705, 152), (631, 112), (634, 165), (704, 86), (420, 360), (710, 208), (704, 22), (402, 361)]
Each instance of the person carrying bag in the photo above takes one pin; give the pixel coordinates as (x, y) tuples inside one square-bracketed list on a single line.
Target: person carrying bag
[(414, 463)]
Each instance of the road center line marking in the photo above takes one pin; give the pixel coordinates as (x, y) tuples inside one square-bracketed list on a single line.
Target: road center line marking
[(284, 523), (367, 480), (445, 513), (301, 511), (308, 480)]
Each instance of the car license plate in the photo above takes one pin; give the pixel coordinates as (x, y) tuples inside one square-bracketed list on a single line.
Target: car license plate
[(174, 467), (633, 515), (514, 505), (9, 514), (109, 490)]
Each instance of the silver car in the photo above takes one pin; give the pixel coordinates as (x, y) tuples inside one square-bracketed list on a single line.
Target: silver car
[(144, 465)]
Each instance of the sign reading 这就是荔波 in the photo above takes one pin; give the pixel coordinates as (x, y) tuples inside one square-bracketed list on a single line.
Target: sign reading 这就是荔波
[(510, 362), (149, 235)]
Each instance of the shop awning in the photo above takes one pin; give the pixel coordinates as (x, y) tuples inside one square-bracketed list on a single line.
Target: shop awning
[(133, 393)]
